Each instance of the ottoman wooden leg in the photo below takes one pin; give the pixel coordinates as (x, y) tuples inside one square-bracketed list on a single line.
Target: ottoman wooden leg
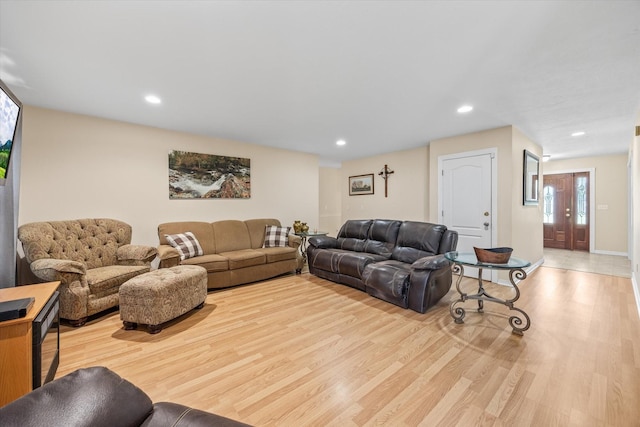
[(154, 329), (128, 326)]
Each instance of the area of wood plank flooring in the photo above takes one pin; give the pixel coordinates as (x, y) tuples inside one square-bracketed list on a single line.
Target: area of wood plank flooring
[(301, 351)]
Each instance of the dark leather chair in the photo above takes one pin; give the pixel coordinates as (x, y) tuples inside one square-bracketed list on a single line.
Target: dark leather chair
[(97, 397)]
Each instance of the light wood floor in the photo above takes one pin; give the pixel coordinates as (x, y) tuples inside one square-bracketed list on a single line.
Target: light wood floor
[(302, 351)]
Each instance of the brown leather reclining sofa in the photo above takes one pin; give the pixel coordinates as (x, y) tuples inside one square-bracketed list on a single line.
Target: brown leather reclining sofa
[(96, 397), (401, 262)]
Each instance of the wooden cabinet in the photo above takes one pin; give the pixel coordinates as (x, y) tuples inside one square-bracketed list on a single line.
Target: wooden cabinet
[(17, 341)]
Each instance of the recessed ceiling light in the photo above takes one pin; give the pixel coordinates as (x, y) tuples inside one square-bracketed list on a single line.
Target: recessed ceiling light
[(152, 99), (580, 133), (546, 157), (465, 109), (341, 142)]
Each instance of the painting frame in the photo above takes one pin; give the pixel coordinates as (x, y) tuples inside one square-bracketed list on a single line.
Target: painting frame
[(208, 176), (361, 185), (530, 178)]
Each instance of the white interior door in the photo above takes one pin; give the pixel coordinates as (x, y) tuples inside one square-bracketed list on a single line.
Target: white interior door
[(467, 200)]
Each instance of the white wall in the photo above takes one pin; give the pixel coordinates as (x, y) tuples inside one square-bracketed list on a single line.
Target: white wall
[(76, 166)]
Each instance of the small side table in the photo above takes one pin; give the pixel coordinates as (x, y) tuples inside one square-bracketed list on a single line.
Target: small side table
[(303, 244), (515, 267)]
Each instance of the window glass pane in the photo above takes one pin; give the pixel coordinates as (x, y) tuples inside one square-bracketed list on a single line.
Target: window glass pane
[(581, 200), (548, 192)]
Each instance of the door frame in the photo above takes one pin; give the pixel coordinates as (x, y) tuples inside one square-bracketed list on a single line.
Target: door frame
[(592, 198), (493, 152)]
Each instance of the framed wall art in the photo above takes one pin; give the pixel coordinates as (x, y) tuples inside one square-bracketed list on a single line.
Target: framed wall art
[(530, 178), (361, 184), (207, 176)]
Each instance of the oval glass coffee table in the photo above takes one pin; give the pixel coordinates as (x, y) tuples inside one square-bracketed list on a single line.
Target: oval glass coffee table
[(519, 321)]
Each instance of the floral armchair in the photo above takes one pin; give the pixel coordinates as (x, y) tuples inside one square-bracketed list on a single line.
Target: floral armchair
[(90, 257)]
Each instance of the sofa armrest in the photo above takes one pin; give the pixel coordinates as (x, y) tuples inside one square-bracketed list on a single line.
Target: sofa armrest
[(173, 414), (93, 397), (136, 254), (169, 256), (51, 269), (323, 242), (294, 241), (434, 262)]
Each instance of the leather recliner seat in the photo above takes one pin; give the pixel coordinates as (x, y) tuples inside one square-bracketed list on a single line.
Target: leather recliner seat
[(98, 397)]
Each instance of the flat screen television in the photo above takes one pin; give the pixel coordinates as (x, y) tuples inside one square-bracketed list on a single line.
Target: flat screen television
[(10, 107)]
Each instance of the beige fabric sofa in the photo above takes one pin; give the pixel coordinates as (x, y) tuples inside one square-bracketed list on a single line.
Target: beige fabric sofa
[(233, 251), (90, 257)]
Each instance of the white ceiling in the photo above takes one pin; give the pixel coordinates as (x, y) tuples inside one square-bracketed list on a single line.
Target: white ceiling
[(383, 75)]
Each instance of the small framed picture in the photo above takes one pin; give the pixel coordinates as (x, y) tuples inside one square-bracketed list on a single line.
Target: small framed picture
[(361, 184)]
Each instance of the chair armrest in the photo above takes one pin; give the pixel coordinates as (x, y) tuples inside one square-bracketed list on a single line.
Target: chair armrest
[(93, 396), (323, 242), (51, 269), (174, 414), (434, 262), (143, 254), (169, 256)]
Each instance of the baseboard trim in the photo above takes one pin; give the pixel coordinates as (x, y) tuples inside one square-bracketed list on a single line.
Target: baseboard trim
[(624, 254)]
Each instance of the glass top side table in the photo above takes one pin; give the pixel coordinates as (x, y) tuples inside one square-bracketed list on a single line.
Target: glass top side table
[(519, 322), (303, 241)]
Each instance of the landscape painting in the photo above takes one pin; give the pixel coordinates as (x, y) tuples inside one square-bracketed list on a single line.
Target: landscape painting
[(207, 176)]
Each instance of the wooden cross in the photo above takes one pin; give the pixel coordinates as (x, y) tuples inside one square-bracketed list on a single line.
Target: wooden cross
[(384, 173)]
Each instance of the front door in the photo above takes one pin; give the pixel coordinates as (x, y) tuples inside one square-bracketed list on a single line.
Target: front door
[(566, 211), (466, 195)]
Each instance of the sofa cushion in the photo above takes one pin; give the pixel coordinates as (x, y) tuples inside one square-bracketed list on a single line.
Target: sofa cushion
[(275, 236), (244, 258), (212, 262), (417, 240), (186, 244), (279, 253), (201, 230), (104, 280), (256, 230), (231, 235), (343, 262)]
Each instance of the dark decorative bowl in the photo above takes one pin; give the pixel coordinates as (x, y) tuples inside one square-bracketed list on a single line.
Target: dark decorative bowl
[(493, 255)]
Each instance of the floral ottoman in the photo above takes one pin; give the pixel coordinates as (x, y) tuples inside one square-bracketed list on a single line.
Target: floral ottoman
[(161, 295)]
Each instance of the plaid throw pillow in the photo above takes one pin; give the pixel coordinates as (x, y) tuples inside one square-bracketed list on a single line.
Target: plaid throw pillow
[(275, 236), (186, 244)]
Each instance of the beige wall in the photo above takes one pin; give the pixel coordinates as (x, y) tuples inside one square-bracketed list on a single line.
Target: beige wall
[(76, 166), (526, 221), (518, 226), (611, 198), (330, 200), (407, 187)]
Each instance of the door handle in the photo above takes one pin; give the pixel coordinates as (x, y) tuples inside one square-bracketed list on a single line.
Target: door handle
[(486, 225)]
